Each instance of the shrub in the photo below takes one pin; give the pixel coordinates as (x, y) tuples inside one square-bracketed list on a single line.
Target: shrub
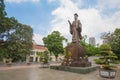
[(108, 57), (99, 61)]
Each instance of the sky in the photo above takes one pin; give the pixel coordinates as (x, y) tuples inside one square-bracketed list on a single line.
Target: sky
[(45, 16)]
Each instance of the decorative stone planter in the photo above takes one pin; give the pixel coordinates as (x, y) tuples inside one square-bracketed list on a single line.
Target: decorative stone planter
[(45, 65), (111, 73), (80, 70), (9, 64), (28, 63)]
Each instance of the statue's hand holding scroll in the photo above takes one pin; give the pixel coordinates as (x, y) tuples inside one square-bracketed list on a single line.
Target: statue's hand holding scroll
[(69, 22)]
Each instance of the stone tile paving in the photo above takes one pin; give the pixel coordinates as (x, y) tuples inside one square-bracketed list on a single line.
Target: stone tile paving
[(12, 67), (37, 73)]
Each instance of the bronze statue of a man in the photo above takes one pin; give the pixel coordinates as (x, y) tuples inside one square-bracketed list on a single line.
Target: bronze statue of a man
[(75, 29)]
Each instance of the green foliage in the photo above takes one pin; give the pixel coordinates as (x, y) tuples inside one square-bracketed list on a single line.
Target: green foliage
[(2, 10), (108, 66), (115, 42), (86, 57), (105, 47), (39, 54), (90, 49), (44, 56), (19, 43), (108, 56), (69, 54), (99, 61), (106, 51), (54, 43), (64, 52), (113, 39), (116, 61), (15, 38)]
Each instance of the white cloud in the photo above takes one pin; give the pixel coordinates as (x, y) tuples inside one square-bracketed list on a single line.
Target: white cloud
[(61, 15), (93, 23), (108, 3), (51, 1), (78, 3), (38, 39), (113, 21), (20, 1)]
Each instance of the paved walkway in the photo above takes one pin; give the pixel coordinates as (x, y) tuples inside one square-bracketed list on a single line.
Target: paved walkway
[(35, 72), (21, 66), (18, 67)]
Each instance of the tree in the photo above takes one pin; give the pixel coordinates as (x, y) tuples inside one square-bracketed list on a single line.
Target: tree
[(15, 37), (90, 49), (44, 56), (3, 17), (6, 29), (2, 10), (54, 43), (113, 39), (20, 41), (108, 56)]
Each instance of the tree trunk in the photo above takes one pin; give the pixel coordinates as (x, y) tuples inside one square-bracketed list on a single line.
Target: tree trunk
[(56, 58)]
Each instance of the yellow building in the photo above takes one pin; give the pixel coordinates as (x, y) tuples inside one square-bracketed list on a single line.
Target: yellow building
[(36, 48)]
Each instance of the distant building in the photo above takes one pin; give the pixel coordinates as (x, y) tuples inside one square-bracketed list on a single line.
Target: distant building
[(36, 48), (92, 41)]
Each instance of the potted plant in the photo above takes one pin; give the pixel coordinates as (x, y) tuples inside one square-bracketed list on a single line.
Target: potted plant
[(7, 61), (107, 68), (44, 58)]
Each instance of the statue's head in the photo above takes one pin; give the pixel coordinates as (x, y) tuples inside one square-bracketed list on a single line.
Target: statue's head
[(75, 16)]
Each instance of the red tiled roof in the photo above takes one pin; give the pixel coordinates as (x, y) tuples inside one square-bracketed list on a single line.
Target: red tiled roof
[(39, 47)]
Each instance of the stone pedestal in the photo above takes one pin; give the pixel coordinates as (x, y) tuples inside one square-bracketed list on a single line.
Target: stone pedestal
[(75, 56), (81, 70)]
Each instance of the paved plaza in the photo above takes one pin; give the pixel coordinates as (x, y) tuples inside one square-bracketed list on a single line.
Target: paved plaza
[(35, 72)]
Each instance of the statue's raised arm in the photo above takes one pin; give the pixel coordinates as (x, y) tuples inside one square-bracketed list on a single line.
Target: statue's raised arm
[(70, 26), (69, 22)]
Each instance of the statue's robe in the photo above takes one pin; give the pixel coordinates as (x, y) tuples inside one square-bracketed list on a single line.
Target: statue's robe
[(75, 30)]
